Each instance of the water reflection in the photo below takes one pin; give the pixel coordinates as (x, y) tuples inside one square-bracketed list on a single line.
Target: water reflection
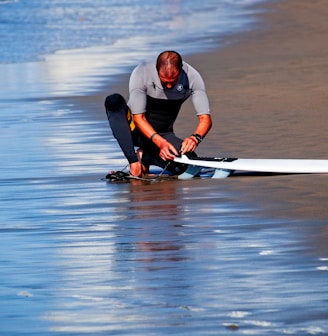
[(172, 271), (94, 258), (119, 272)]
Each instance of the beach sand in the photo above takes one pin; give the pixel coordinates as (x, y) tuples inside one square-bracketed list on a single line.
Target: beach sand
[(268, 88)]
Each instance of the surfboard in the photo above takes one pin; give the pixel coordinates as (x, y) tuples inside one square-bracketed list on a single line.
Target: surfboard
[(227, 166)]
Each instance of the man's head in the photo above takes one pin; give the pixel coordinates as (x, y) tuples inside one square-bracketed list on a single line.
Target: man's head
[(169, 66)]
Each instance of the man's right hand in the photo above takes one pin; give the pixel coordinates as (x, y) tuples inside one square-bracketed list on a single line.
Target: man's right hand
[(166, 150)]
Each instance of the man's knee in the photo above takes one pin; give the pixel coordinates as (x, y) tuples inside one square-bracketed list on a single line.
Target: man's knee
[(115, 102)]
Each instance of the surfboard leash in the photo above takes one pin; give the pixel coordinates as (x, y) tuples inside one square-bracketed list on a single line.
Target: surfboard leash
[(121, 175)]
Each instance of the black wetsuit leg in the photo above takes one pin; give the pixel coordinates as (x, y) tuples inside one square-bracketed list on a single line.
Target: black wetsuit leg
[(116, 110)]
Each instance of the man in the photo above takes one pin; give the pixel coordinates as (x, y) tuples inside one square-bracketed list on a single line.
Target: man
[(156, 93)]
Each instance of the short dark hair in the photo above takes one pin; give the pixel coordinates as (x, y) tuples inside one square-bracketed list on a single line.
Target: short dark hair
[(169, 56)]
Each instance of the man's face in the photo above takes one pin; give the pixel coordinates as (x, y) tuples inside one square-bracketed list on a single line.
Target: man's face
[(169, 80)]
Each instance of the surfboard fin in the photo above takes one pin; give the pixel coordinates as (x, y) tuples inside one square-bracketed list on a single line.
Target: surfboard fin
[(190, 172), (221, 173)]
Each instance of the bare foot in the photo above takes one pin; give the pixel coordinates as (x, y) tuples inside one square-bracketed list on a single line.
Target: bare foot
[(136, 169)]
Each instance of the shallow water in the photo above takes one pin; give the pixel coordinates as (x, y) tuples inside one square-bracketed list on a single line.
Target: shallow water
[(33, 29), (201, 257), (244, 255)]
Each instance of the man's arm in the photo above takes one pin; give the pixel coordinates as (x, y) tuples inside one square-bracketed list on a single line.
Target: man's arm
[(202, 108)]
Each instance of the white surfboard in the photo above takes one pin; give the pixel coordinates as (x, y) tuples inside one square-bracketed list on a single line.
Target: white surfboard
[(226, 166)]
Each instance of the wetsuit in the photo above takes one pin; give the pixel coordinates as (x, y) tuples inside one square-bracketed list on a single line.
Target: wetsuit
[(147, 95), (122, 125)]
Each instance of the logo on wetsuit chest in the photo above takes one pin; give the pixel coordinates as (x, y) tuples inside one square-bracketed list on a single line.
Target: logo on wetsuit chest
[(179, 87)]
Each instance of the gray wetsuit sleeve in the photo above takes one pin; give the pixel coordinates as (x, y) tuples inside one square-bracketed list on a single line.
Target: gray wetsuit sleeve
[(199, 96), (138, 90)]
